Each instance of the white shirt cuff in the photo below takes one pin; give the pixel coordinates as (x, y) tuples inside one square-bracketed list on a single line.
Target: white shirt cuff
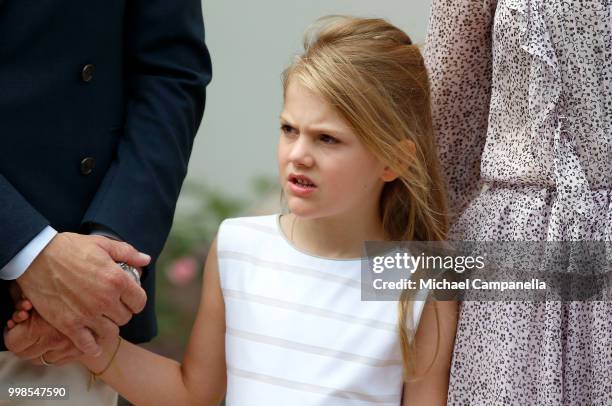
[(20, 262)]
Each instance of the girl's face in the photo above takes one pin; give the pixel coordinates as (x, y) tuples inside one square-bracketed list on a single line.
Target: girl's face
[(325, 170)]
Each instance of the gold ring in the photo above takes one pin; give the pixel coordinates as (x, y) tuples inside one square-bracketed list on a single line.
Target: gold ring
[(45, 363)]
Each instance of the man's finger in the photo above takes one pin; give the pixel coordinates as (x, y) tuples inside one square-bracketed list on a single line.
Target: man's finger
[(119, 314), (124, 252), (32, 352), (105, 328), (134, 297), (42, 345), (66, 354)]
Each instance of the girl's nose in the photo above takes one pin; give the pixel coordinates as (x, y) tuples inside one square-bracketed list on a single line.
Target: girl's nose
[(301, 153)]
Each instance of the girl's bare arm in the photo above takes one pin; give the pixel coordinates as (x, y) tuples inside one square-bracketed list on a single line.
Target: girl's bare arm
[(145, 378), (429, 386)]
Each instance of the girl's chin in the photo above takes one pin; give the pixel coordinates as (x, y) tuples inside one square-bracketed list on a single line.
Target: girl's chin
[(305, 211), (302, 213)]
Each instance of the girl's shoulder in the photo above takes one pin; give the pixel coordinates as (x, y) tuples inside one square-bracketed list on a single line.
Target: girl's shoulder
[(262, 224), (241, 231)]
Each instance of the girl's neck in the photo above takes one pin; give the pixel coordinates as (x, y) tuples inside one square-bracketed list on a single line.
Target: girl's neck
[(337, 237)]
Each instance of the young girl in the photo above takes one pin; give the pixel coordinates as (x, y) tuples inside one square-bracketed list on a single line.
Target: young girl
[(281, 321)]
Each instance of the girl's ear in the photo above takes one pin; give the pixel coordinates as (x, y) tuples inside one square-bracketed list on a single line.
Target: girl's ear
[(388, 175), (406, 147)]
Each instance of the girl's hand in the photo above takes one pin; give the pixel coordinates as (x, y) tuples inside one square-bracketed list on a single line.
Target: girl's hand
[(21, 314), (29, 336)]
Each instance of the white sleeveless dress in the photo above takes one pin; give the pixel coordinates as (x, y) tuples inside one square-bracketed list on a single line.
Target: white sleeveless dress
[(297, 331)]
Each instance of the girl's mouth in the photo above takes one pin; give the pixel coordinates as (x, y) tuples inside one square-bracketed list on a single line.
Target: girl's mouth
[(301, 181), (300, 185)]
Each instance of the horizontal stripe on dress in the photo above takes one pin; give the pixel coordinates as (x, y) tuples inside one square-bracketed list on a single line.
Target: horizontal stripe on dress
[(311, 349), (293, 269), (307, 387), (301, 308)]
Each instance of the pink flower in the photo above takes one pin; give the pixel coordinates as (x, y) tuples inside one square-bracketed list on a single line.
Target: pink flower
[(182, 271)]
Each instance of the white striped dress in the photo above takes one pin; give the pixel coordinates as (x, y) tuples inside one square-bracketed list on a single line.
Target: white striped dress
[(297, 331)]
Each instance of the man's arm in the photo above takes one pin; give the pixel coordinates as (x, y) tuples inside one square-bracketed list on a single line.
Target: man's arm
[(167, 69), (20, 223), (74, 264), (20, 262)]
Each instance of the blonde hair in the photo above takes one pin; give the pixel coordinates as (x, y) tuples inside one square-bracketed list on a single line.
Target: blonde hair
[(374, 76)]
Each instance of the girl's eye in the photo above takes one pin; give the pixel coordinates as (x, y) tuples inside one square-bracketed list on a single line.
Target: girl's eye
[(328, 139), (287, 129)]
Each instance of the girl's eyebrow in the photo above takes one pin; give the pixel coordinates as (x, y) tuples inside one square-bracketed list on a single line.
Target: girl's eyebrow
[(326, 130), (315, 128), (285, 119)]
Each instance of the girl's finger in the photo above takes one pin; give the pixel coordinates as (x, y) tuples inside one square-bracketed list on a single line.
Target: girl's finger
[(20, 316), (19, 340), (24, 305), (10, 324)]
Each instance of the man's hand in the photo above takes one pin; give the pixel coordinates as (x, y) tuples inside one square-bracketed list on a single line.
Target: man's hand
[(76, 286), (29, 336)]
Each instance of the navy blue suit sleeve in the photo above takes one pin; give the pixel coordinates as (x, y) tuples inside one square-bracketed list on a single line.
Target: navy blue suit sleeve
[(19, 222), (167, 67)]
